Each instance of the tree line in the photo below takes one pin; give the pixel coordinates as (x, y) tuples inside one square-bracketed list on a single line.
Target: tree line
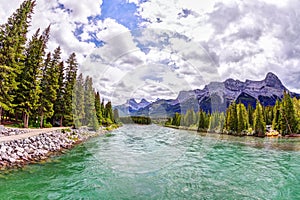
[(39, 87), (238, 119), (135, 120), (88, 109)]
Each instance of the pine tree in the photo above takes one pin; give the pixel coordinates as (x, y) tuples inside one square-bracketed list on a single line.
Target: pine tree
[(189, 118), (89, 104), (216, 122), (227, 120), (98, 107), (63, 105), (28, 92), (102, 108), (250, 115), (296, 103), (212, 122), (240, 126), (242, 118), (202, 121), (108, 113), (78, 102), (268, 114), (259, 123), (277, 117), (288, 115), (12, 47), (58, 68), (221, 122), (176, 119), (232, 118), (48, 87), (53, 74)]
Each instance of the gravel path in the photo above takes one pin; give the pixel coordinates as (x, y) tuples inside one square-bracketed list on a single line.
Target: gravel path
[(32, 132)]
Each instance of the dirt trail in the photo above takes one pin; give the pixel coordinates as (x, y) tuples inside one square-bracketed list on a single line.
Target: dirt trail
[(32, 132)]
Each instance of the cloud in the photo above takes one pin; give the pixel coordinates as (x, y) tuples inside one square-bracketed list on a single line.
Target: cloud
[(171, 61), (180, 44), (7, 9), (80, 11), (64, 17), (246, 39)]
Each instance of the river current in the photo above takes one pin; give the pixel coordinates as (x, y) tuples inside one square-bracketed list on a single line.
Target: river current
[(153, 162)]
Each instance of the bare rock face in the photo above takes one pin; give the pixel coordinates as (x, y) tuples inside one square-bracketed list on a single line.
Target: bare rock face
[(214, 96)]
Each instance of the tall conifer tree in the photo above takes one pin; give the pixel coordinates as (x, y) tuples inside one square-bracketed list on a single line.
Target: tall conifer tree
[(78, 101), (288, 115), (259, 122), (59, 103), (98, 107), (29, 90), (12, 47), (71, 74)]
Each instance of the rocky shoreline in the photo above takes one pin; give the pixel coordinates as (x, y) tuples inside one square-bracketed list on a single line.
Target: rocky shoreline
[(17, 153)]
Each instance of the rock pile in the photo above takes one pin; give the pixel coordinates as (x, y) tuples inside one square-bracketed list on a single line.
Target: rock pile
[(11, 131), (17, 153)]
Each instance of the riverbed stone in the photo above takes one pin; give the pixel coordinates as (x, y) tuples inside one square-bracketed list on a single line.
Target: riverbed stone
[(12, 133), (12, 160), (19, 149), (3, 148), (20, 154)]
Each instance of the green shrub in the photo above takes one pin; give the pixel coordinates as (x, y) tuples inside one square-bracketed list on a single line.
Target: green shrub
[(47, 125), (66, 130), (21, 125)]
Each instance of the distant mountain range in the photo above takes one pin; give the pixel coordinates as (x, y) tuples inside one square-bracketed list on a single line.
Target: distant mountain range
[(216, 96)]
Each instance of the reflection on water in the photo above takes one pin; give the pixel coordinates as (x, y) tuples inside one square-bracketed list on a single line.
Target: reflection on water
[(279, 143)]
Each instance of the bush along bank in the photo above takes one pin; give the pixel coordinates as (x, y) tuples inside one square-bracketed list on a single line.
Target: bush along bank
[(18, 153)]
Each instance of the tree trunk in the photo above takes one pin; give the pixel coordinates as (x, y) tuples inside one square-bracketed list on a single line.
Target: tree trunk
[(16, 117), (0, 115), (42, 119), (61, 120), (26, 119)]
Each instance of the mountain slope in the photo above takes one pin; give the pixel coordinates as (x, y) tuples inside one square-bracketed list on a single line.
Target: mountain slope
[(216, 96)]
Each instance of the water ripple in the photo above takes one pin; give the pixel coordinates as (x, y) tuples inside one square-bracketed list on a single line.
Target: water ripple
[(151, 162)]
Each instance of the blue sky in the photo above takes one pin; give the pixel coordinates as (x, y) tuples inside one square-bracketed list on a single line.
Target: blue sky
[(155, 48), (122, 11)]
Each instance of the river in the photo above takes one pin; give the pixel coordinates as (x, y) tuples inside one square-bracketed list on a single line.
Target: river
[(153, 162)]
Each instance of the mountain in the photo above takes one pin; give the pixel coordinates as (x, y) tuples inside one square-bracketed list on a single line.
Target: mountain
[(131, 106), (216, 96)]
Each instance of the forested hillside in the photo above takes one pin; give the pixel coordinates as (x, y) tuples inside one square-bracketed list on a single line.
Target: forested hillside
[(40, 89)]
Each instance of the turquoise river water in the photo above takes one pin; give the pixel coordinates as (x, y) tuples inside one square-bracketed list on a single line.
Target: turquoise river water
[(153, 162)]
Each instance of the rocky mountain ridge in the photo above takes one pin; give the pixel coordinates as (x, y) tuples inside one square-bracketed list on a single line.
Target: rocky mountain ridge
[(216, 96)]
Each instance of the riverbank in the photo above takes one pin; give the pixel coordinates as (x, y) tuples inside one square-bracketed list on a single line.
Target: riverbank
[(16, 153), (182, 127), (238, 135)]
